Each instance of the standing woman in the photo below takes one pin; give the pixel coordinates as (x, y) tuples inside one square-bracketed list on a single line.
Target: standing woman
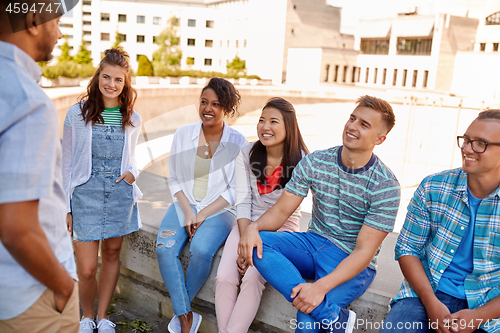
[(263, 168), (201, 162), (99, 173)]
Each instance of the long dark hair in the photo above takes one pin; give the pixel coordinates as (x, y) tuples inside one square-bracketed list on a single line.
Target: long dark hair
[(293, 145), (91, 102)]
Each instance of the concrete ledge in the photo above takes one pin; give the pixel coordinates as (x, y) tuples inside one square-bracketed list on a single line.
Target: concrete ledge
[(140, 282)]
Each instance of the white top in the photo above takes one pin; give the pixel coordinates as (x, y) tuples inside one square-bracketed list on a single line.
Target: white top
[(30, 169), (221, 176), (77, 152), (250, 204)]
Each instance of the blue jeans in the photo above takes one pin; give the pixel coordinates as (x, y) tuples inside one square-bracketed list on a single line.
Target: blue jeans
[(291, 257), (172, 238), (408, 314)]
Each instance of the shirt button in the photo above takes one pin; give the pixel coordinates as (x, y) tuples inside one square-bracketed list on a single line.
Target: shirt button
[(462, 228), (452, 251), (441, 271)]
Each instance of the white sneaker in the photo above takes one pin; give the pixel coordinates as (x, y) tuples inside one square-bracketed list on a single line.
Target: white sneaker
[(106, 326), (174, 326), (87, 325), (196, 323)]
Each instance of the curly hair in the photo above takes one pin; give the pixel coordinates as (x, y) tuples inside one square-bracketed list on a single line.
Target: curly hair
[(228, 96), (91, 102)]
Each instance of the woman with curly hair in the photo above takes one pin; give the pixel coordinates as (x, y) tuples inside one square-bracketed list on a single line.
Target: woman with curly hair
[(201, 162), (99, 173)]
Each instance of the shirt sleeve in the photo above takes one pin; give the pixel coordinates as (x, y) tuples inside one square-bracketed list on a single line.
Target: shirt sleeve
[(243, 188), (417, 226), (134, 137), (384, 206), (299, 184), (67, 156), (173, 180), (28, 149)]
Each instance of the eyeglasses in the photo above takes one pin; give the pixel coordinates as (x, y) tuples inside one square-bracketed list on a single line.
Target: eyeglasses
[(479, 146)]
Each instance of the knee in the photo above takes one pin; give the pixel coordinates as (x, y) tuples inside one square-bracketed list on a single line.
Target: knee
[(87, 273), (110, 255), (203, 253), (223, 281)]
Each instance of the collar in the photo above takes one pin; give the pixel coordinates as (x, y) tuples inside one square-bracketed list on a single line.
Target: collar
[(197, 128), (462, 187), (22, 59)]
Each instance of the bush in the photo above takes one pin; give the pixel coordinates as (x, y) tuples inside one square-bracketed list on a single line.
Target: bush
[(67, 69), (145, 67)]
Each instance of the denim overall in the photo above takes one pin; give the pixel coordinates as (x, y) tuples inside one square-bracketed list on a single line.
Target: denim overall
[(101, 207)]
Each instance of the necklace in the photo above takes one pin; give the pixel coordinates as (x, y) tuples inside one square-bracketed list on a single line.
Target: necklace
[(208, 151)]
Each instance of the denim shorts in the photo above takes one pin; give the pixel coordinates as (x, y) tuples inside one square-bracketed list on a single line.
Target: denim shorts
[(101, 207)]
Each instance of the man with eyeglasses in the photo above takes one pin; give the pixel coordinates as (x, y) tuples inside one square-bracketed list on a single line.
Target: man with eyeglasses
[(449, 247)]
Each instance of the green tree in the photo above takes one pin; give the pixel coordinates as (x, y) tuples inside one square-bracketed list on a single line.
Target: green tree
[(118, 40), (237, 67), (83, 55), (145, 67), (168, 53), (65, 56)]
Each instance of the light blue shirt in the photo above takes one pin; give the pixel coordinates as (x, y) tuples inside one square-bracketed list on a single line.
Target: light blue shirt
[(452, 281), (30, 169)]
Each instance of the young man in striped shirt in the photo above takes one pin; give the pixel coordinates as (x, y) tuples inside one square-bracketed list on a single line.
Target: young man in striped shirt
[(449, 247), (355, 202)]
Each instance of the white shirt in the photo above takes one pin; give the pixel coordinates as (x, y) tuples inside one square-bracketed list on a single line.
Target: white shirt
[(221, 175), (250, 204), (30, 169), (77, 152)]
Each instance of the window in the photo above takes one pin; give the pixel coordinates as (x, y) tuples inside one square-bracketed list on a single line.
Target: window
[(87, 2), (495, 47), (237, 43), (105, 17), (244, 43), (221, 43), (375, 75), (327, 71), (88, 43), (87, 13), (493, 19), (482, 47), (175, 21), (192, 42), (87, 33), (353, 78), (367, 74), (405, 74), (66, 25), (87, 23), (138, 56), (344, 77), (141, 38), (394, 77), (123, 37), (141, 19), (336, 73), (104, 36), (208, 62), (228, 43), (374, 46), (209, 24), (189, 61), (154, 39), (416, 46), (191, 23), (426, 77), (69, 36), (359, 74), (157, 20), (384, 75), (122, 18), (414, 80), (209, 43)]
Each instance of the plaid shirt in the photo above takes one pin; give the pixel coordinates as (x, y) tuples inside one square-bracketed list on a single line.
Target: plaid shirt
[(437, 217)]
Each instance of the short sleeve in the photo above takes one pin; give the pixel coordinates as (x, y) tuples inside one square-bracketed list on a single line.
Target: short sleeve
[(299, 183)]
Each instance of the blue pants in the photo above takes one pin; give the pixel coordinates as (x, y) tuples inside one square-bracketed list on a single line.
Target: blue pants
[(291, 257), (172, 238), (408, 314)]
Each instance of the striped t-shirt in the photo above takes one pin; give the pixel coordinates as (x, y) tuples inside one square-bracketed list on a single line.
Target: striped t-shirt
[(112, 116), (346, 199)]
